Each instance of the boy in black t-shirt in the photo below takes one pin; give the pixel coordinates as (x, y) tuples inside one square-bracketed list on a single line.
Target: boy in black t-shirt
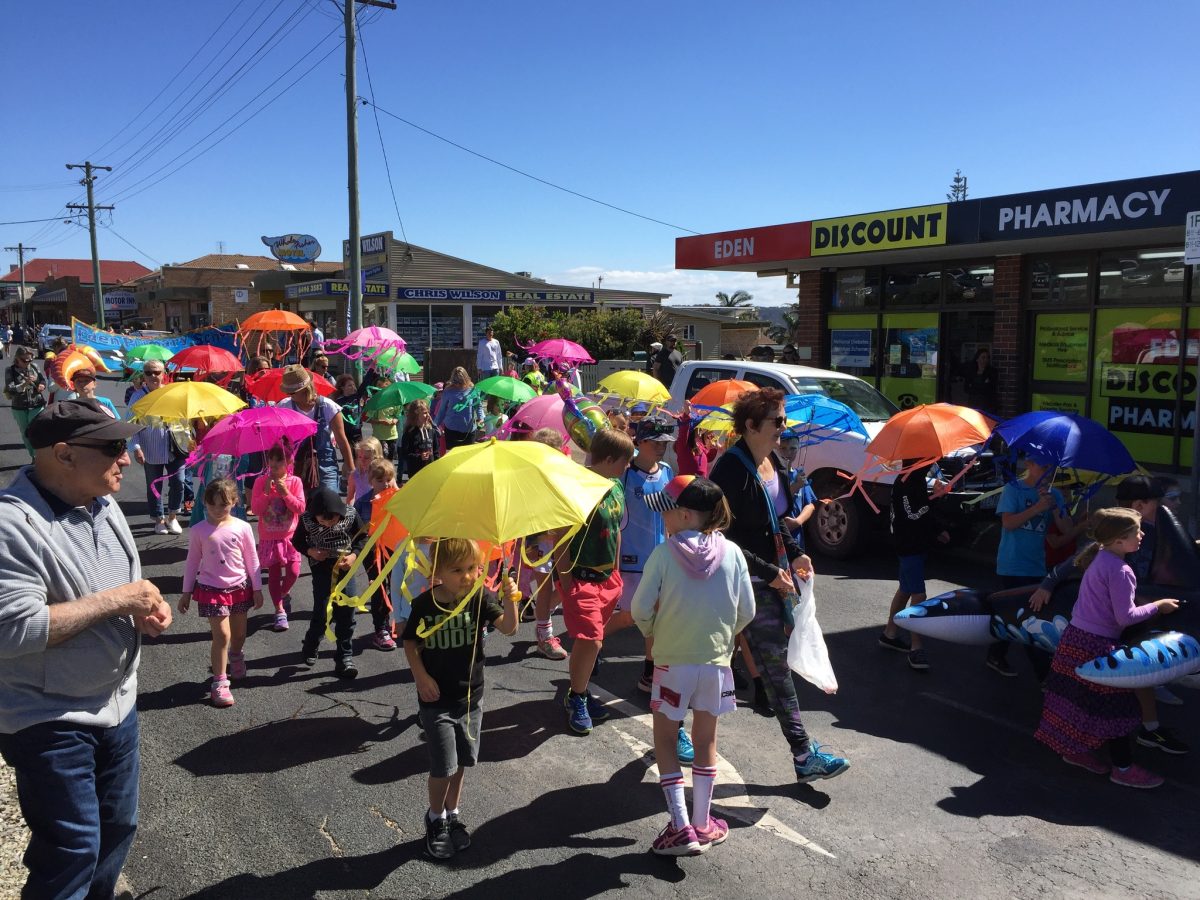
[(447, 665)]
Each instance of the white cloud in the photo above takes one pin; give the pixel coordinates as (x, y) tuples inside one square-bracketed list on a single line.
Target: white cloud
[(686, 287)]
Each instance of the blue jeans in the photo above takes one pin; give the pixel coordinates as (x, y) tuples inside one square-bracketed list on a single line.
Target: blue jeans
[(170, 492), (78, 789)]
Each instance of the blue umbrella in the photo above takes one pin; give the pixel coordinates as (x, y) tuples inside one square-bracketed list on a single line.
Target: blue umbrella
[(807, 413), (1067, 441)]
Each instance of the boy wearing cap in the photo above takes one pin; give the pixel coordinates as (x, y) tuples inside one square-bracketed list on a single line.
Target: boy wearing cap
[(331, 536), (84, 382)]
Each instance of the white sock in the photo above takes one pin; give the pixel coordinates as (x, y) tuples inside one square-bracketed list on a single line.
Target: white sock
[(703, 779), (1151, 726), (545, 630), (434, 816), (450, 812), (672, 787)]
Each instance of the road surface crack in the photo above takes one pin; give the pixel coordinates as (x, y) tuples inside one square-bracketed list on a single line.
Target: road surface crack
[(389, 822), (333, 844)]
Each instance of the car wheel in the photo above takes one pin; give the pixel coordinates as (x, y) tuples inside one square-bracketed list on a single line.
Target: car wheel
[(836, 528)]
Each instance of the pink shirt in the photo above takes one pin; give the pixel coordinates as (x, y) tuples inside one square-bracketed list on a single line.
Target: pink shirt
[(278, 515), (222, 557), (1105, 606)]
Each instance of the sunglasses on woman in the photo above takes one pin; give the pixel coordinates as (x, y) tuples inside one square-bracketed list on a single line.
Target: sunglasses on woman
[(111, 449)]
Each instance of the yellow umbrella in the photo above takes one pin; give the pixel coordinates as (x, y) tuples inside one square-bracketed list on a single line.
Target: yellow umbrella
[(498, 491), (637, 387), (719, 420), (186, 400)]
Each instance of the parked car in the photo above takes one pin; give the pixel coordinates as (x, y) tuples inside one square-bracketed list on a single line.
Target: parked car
[(1173, 271), (49, 333), (841, 525)]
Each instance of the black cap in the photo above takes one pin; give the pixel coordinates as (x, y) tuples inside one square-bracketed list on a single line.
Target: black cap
[(71, 420), (654, 429), (327, 502), (688, 492), (1138, 487)]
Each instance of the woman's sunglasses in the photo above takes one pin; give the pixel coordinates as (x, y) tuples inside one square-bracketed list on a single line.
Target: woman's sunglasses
[(111, 449)]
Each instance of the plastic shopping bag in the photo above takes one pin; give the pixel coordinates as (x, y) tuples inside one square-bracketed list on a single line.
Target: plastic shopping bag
[(807, 654)]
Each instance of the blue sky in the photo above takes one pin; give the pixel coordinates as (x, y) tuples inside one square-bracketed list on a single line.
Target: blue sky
[(706, 115)]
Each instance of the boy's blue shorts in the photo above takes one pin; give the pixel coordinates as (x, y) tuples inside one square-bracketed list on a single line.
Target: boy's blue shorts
[(912, 574)]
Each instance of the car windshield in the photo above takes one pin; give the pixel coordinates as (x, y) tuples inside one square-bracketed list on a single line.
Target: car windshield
[(868, 404)]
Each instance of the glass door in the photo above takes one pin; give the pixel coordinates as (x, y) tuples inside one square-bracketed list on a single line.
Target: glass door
[(911, 344)]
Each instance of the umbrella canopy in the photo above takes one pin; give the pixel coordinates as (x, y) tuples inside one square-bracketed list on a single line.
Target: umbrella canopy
[(637, 387), (498, 491), (721, 392), (1067, 441), (254, 431), (506, 388), (146, 352), (187, 400), (274, 320), (816, 412), (719, 420), (265, 385), (401, 393), (205, 358), (560, 350), (929, 432), (394, 358), (545, 411), (374, 336)]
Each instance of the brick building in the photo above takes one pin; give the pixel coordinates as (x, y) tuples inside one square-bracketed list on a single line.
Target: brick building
[(61, 288), (1079, 294), (213, 289)]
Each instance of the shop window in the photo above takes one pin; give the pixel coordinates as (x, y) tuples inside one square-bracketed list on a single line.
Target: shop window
[(447, 327), (1061, 280), (687, 332), (1155, 275), (852, 350), (972, 283), (413, 323), (968, 347), (856, 289), (481, 318), (913, 285), (911, 343)]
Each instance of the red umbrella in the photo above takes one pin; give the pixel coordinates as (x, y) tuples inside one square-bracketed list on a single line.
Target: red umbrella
[(265, 385), (205, 359)]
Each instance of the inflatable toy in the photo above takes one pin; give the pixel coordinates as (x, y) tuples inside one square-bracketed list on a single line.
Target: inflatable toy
[(583, 419)]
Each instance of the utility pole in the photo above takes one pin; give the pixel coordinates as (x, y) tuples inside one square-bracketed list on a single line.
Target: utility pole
[(26, 306), (354, 275), (88, 180)]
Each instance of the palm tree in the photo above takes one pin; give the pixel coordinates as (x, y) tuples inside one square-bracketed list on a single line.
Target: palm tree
[(785, 333), (737, 298), (658, 325)]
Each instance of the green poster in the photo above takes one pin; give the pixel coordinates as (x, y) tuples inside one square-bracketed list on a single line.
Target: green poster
[(1060, 347), (1074, 403), (911, 346)]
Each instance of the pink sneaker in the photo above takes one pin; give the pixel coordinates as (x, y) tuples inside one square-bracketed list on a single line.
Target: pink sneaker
[(1087, 760), (383, 640), (552, 648), (219, 693), (281, 621), (1135, 777), (673, 841), (237, 666), (713, 833)]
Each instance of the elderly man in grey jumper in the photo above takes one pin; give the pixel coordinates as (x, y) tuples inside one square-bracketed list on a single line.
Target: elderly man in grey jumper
[(73, 605)]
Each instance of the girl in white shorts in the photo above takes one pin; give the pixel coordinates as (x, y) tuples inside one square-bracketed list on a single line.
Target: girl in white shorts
[(694, 597)]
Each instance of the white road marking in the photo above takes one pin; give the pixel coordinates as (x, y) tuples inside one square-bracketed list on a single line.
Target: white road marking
[(752, 815)]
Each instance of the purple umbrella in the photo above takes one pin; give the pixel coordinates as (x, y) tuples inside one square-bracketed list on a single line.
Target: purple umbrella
[(253, 431)]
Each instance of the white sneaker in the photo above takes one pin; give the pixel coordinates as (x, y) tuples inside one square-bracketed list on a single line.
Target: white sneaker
[(174, 527), (160, 527)]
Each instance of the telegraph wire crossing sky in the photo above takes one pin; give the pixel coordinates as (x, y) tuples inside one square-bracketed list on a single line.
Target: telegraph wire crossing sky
[(575, 142)]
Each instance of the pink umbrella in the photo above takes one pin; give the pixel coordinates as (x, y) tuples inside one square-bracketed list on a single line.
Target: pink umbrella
[(366, 343), (545, 411), (253, 431), (560, 350)]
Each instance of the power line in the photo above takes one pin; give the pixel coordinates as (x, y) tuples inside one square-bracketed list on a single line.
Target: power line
[(514, 169), (379, 130), (27, 221), (117, 235)]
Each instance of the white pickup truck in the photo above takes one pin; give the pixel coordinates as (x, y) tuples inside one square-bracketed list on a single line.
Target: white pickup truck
[(839, 526)]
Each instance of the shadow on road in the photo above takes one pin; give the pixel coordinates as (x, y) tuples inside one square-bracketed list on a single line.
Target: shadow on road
[(576, 878)]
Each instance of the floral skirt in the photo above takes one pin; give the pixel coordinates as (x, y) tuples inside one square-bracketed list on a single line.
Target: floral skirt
[(220, 602)]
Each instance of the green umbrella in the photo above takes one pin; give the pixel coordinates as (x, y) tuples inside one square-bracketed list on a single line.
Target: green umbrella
[(146, 352), (399, 394), (506, 388), (398, 360)]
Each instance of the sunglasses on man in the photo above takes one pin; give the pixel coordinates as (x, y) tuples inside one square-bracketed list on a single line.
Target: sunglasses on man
[(111, 449)]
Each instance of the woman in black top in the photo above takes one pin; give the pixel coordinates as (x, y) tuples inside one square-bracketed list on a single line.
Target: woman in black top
[(755, 482), (980, 381), (26, 388)]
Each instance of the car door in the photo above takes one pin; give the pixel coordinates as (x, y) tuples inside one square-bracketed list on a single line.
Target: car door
[(761, 379)]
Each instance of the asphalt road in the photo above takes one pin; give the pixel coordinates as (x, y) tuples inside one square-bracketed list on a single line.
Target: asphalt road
[(310, 787)]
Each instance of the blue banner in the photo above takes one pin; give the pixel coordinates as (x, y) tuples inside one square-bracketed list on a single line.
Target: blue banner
[(105, 343)]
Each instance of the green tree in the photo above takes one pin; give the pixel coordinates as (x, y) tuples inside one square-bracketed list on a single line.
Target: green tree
[(737, 298), (655, 327), (526, 325), (786, 333), (958, 187), (606, 334)]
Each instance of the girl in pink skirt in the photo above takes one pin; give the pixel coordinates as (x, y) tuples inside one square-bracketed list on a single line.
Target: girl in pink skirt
[(1079, 717), (223, 577), (278, 500)]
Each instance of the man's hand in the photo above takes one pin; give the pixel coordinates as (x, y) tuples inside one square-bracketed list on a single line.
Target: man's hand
[(156, 623), (139, 456), (139, 598)]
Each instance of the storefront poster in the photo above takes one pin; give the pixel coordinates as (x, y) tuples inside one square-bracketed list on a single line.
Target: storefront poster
[(1064, 403), (910, 375), (850, 347), (1060, 347)]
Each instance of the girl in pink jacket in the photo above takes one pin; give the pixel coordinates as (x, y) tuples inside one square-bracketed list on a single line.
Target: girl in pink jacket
[(278, 500)]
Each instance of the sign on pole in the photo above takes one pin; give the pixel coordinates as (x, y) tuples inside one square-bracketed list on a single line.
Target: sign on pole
[(1191, 240)]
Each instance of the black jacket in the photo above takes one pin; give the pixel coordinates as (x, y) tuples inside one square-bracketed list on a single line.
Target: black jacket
[(915, 522), (751, 529)]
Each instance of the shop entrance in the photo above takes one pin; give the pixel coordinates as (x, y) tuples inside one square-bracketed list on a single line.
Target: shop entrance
[(965, 337)]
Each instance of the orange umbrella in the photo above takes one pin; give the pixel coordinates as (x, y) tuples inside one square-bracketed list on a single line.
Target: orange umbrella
[(929, 432), (254, 333), (727, 390), (274, 320)]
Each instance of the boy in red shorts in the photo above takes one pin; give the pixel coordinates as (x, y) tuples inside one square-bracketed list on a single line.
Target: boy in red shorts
[(589, 579)]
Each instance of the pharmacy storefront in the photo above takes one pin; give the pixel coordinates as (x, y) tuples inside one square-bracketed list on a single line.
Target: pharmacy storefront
[(1078, 298)]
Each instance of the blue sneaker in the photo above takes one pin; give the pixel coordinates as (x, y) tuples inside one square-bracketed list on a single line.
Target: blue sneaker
[(578, 717), (820, 765), (684, 749), (596, 709)]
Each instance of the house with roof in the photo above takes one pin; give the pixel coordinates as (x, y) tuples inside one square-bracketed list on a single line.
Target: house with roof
[(61, 288), (719, 330)]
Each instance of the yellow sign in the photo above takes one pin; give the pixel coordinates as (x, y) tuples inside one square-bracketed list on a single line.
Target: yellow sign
[(917, 226)]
